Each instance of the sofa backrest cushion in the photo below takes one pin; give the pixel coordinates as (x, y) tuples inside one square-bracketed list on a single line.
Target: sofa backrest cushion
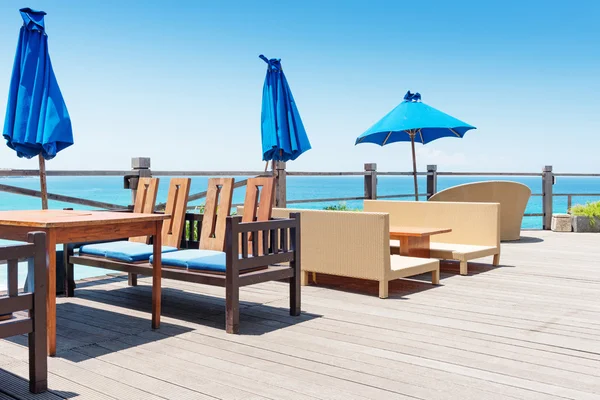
[(512, 196), (471, 223), (343, 243)]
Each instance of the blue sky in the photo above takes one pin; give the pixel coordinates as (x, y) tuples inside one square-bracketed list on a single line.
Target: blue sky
[(183, 84)]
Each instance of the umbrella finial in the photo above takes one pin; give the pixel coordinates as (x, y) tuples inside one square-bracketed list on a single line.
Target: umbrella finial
[(33, 19), (274, 63), (412, 97)]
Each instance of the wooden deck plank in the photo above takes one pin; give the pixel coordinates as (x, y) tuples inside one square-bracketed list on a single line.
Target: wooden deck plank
[(266, 370), (527, 330), (93, 360), (91, 380), (404, 381), (411, 373), (421, 336), (59, 387), (208, 380), (367, 348), (6, 397)]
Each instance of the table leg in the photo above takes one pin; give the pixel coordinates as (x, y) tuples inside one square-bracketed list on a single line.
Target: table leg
[(156, 275), (51, 294), (68, 251), (415, 246)]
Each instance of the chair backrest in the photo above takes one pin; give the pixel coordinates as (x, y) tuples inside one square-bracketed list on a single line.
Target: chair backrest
[(345, 243), (471, 223), (179, 191), (217, 208), (512, 196), (145, 201), (35, 321), (258, 205)]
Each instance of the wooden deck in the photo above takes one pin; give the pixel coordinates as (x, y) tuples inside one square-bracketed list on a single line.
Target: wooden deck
[(529, 329)]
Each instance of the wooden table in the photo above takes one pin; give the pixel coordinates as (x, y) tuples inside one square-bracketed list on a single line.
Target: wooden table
[(66, 226), (415, 241)]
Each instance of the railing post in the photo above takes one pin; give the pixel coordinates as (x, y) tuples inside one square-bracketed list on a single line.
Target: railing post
[(547, 182), (370, 181), (141, 166), (280, 185), (431, 180)]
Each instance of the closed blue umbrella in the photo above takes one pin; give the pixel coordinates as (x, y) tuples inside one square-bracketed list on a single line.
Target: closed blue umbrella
[(37, 122), (283, 135), (414, 121)]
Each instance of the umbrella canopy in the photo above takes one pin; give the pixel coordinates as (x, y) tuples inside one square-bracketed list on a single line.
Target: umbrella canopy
[(283, 134), (414, 121), (37, 122)]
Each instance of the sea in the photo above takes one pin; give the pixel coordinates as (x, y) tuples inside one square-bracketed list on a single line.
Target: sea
[(110, 189)]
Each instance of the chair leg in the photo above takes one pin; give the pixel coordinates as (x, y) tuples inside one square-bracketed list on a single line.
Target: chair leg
[(38, 362), (496, 259), (383, 289), (314, 276), (232, 308), (435, 276), (304, 278), (463, 268), (132, 279), (38, 352), (295, 296)]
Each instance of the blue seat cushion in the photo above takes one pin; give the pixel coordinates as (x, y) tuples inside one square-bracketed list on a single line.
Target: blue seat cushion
[(203, 260), (123, 250)]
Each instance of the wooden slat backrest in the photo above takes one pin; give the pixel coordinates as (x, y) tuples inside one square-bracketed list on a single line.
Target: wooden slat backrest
[(145, 200), (258, 206), (216, 210), (179, 191)]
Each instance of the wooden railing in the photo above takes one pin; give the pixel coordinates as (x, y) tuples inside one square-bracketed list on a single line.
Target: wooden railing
[(141, 168)]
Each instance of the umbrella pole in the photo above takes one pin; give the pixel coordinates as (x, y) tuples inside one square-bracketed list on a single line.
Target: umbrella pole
[(43, 187), (414, 159)]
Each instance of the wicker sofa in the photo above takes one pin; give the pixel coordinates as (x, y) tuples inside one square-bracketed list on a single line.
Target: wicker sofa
[(512, 196), (353, 244), (475, 227)]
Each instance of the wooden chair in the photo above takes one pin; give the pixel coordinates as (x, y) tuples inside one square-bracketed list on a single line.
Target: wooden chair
[(243, 262), (177, 198), (108, 256), (217, 207), (259, 200), (255, 249), (145, 202), (35, 303), (212, 243), (258, 206), (211, 232)]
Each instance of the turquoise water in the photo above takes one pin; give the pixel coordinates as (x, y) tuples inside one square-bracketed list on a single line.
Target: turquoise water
[(110, 190)]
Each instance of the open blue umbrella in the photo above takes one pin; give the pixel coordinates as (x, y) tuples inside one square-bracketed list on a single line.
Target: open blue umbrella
[(412, 120), (37, 121), (283, 134)]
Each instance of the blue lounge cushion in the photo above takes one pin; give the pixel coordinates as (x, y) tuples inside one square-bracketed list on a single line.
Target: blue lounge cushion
[(203, 260), (215, 263), (180, 258), (123, 250)]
